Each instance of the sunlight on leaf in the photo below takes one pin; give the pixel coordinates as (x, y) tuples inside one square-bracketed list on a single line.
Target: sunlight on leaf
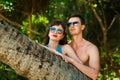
[(40, 19), (36, 41), (28, 32), (116, 78), (104, 55), (94, 5), (43, 19), (100, 76), (25, 23)]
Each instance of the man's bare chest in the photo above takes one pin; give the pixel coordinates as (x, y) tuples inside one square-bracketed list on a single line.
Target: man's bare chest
[(82, 54)]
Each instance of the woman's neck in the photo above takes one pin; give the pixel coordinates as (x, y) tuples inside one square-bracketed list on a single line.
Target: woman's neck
[(53, 44)]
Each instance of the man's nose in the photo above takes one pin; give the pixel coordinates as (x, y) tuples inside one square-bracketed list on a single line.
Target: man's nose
[(71, 25)]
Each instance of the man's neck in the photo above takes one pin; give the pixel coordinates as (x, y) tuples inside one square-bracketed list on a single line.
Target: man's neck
[(77, 40)]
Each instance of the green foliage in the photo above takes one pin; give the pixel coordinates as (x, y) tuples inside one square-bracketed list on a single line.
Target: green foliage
[(45, 11), (39, 24), (7, 5), (110, 71), (6, 73), (116, 57)]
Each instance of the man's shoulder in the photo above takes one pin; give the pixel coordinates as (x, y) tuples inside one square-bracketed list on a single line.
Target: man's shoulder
[(91, 46), (65, 46)]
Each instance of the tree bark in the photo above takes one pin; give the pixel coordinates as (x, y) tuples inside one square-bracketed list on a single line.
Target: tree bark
[(32, 60)]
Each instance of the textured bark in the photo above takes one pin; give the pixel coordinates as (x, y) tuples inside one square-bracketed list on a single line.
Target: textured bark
[(31, 60)]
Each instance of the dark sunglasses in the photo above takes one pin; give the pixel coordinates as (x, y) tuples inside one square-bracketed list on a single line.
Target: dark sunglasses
[(59, 31), (72, 23)]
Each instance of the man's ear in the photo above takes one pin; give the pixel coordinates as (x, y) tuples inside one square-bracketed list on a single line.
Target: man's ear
[(83, 27)]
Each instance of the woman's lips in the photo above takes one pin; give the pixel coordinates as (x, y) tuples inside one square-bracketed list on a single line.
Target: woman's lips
[(55, 35)]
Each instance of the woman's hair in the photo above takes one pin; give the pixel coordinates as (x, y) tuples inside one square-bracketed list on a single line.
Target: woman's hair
[(53, 23)]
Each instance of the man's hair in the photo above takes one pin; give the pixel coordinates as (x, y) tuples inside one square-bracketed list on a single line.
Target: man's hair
[(79, 16)]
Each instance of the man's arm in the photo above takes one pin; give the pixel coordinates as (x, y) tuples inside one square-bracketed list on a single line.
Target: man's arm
[(92, 69)]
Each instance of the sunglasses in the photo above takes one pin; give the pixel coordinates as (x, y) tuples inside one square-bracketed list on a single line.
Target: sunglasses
[(59, 31), (72, 23)]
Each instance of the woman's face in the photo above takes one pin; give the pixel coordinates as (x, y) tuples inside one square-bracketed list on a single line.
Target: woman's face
[(56, 33)]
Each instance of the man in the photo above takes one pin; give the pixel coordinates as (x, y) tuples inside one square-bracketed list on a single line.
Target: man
[(86, 51)]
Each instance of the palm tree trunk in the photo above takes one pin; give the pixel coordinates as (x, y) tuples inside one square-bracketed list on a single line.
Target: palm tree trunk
[(31, 60)]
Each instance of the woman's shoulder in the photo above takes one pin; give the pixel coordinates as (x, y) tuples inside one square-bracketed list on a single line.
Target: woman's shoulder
[(66, 47)]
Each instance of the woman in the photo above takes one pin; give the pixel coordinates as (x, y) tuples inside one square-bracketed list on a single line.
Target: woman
[(56, 39)]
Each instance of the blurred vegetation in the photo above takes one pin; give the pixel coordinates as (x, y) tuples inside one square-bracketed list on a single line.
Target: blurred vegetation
[(102, 17)]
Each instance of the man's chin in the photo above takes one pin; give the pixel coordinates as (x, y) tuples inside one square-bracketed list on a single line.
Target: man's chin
[(72, 34)]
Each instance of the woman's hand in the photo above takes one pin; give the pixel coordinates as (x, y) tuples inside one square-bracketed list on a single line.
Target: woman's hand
[(67, 59)]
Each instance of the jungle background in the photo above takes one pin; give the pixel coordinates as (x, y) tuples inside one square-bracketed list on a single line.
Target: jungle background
[(102, 17)]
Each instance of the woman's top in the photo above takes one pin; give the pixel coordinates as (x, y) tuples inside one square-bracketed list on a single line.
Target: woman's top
[(58, 48)]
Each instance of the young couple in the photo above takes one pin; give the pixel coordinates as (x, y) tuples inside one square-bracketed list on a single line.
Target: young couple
[(79, 52)]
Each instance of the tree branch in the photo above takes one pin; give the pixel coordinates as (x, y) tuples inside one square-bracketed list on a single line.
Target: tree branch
[(98, 18), (112, 22), (18, 25), (96, 15)]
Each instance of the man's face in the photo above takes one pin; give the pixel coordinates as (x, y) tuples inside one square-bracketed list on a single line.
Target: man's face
[(75, 26)]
